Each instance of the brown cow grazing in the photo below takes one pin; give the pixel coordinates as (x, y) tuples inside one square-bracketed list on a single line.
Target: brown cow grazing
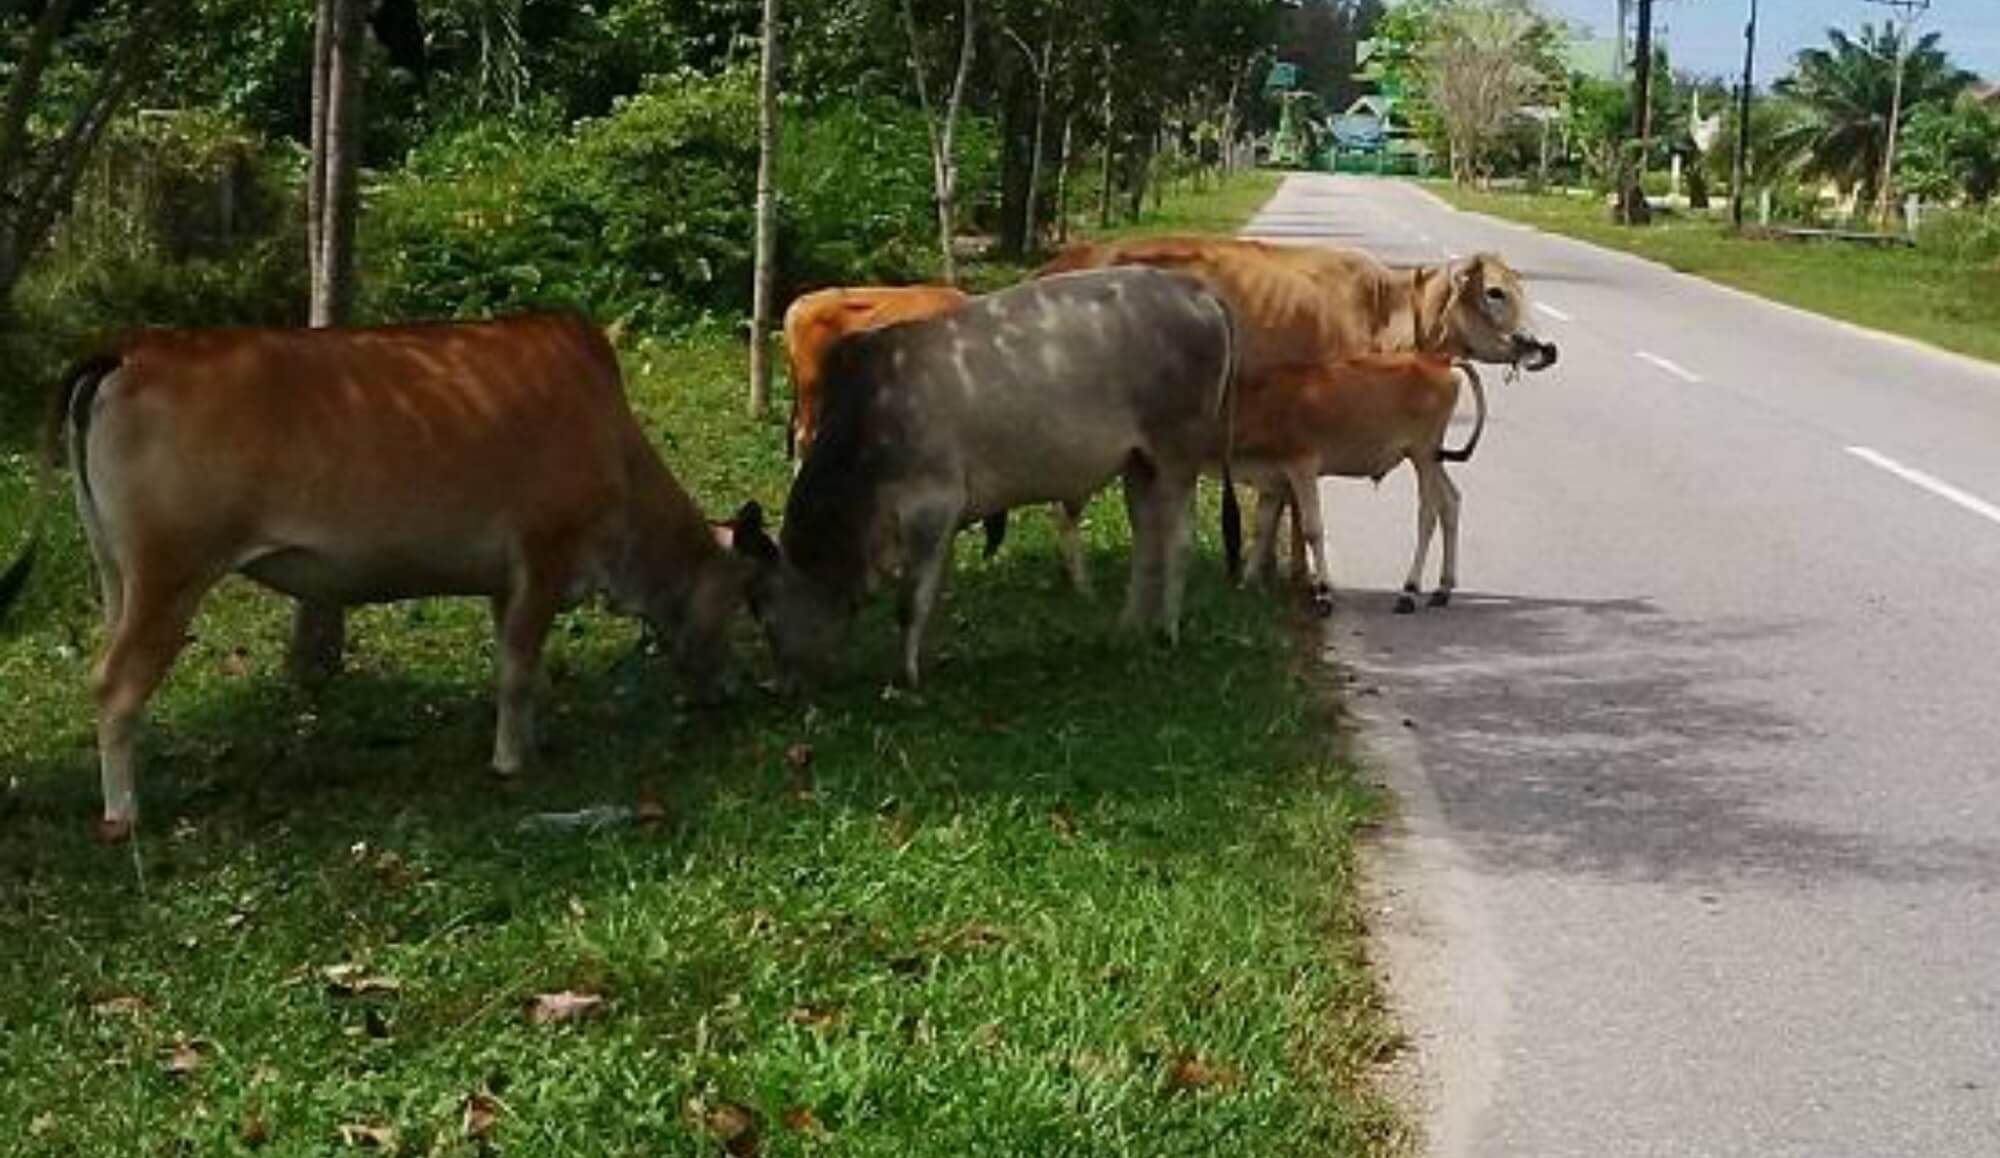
[(1358, 419), (818, 320), (359, 466)]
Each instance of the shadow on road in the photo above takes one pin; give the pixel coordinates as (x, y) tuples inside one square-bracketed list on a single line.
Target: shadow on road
[(1605, 738)]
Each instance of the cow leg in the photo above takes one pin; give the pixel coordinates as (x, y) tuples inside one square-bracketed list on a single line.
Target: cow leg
[(1264, 536), (522, 617), (319, 641), (927, 537), (1298, 555), (1174, 502), (1448, 500), (1428, 499), (110, 577), (150, 632), (1142, 589), (1310, 531), (1069, 538)]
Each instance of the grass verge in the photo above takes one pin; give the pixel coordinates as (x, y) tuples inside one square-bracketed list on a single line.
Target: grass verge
[(1084, 897), (1920, 295)]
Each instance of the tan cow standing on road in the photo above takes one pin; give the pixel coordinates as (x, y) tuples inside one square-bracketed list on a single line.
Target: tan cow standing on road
[(358, 466), (1305, 309), (1358, 419)]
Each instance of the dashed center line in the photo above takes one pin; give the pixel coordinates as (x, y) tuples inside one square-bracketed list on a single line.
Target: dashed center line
[(1669, 365), (1931, 483), (1558, 315)]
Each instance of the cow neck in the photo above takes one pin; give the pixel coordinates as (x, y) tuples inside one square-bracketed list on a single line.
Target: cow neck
[(1428, 334)]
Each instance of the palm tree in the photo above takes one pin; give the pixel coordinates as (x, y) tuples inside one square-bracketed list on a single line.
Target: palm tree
[(1845, 93)]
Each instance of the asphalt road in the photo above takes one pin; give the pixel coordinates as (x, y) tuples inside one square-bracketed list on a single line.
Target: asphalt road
[(1701, 773)]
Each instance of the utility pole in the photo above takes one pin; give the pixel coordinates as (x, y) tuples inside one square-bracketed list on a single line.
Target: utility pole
[(1911, 9), (1740, 170), (1632, 207)]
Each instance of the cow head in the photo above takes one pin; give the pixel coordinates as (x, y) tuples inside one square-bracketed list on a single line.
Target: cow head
[(803, 624), (1484, 315)]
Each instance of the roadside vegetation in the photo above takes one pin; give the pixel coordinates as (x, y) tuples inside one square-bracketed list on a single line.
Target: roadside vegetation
[(1945, 291), (1083, 896)]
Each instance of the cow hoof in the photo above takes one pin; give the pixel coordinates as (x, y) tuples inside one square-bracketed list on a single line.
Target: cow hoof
[(1322, 603), (111, 831), (1441, 598), (1406, 604)]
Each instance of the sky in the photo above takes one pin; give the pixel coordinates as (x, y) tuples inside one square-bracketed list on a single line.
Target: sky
[(1706, 36)]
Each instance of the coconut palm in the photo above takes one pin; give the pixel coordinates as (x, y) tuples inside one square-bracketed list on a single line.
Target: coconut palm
[(1845, 92)]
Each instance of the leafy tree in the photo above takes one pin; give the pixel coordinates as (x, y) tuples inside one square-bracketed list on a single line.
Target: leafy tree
[(1482, 61), (1952, 151), (1845, 91), (69, 70)]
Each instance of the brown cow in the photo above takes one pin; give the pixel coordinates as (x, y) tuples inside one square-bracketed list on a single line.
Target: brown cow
[(359, 466), (1306, 306), (814, 322), (818, 320), (1358, 419)]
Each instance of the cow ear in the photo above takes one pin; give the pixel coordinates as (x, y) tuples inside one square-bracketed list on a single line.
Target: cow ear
[(1467, 275)]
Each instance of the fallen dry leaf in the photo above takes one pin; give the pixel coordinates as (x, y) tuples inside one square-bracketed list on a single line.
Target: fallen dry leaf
[(381, 1138), (735, 1126), (804, 1121), (1064, 823), (124, 1005), (236, 664), (482, 1113), (41, 1124), (255, 1131), (352, 980), (818, 1017), (187, 1056), (566, 1006), (1191, 1072), (799, 757)]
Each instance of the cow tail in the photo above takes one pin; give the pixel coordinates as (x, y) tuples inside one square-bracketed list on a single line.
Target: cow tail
[(68, 407), (1464, 453), (1232, 513)]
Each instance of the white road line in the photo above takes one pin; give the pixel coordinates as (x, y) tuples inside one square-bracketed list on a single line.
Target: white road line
[(1931, 483), (1670, 366), (1553, 312)]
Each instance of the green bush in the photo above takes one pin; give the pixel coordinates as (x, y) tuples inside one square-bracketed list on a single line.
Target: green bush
[(644, 216), (1965, 236), (647, 215), (183, 220)]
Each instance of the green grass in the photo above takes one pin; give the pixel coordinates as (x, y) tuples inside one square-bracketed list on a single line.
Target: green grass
[(1917, 294), (1085, 896)]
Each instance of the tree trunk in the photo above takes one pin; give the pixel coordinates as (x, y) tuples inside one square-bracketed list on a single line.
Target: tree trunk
[(339, 137), (1062, 181), (944, 162), (1030, 237), (1110, 147), (1632, 206), (767, 214), (319, 630), (327, 15)]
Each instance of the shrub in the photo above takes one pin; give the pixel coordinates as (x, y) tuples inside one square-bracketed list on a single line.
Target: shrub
[(644, 216), (647, 216)]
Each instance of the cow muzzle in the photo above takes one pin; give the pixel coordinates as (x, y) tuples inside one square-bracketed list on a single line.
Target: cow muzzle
[(1531, 353)]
